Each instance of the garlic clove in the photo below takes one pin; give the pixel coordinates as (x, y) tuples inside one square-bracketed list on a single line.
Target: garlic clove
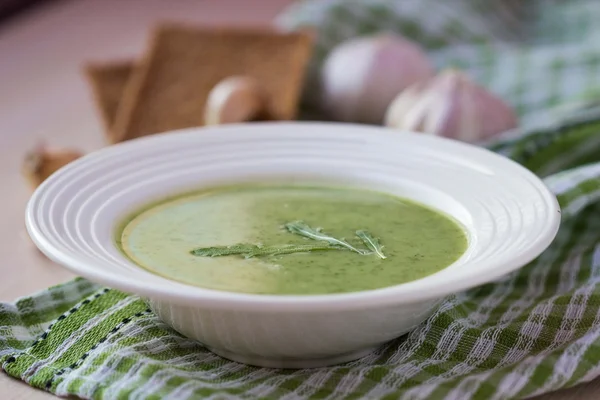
[(41, 162), (499, 116), (360, 77), (395, 115), (451, 105), (235, 99)]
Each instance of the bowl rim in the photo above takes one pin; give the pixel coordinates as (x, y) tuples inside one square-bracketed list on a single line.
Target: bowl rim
[(404, 293)]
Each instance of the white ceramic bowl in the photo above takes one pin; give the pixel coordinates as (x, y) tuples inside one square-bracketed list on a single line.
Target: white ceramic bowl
[(508, 213)]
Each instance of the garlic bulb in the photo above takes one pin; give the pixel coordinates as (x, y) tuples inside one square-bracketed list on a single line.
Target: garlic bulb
[(451, 105), (235, 99), (362, 76)]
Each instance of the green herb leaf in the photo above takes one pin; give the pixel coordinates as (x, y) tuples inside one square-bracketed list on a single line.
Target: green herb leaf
[(254, 250), (371, 242), (302, 229)]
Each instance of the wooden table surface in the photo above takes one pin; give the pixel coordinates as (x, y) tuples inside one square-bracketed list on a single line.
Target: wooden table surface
[(43, 96)]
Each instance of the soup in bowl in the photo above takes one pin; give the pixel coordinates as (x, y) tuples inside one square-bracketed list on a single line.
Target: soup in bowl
[(292, 244), (300, 239)]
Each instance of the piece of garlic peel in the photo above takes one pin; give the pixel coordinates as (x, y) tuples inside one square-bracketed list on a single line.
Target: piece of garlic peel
[(453, 106), (41, 162), (360, 77), (235, 99)]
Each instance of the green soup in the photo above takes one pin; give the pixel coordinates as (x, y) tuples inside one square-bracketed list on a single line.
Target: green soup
[(417, 241)]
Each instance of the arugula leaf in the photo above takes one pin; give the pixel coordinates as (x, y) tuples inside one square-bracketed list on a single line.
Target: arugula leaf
[(324, 242), (302, 229), (371, 242), (256, 250)]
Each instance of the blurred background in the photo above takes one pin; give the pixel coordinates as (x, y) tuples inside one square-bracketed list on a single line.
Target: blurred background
[(524, 64)]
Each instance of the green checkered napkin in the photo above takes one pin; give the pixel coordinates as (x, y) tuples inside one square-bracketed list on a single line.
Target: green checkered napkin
[(533, 331)]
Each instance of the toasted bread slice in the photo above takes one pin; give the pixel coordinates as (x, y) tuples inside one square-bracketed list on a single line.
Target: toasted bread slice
[(169, 89), (108, 82)]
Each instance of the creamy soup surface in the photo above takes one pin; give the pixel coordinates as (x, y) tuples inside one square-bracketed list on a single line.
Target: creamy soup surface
[(416, 241)]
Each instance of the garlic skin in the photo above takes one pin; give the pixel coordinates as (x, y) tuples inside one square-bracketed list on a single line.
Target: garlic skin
[(235, 99), (362, 76), (453, 106), (42, 162)]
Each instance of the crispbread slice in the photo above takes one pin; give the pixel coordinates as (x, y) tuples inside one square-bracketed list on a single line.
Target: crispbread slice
[(108, 81), (169, 89)]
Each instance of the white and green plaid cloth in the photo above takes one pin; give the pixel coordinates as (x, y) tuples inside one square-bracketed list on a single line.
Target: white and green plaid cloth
[(531, 332)]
